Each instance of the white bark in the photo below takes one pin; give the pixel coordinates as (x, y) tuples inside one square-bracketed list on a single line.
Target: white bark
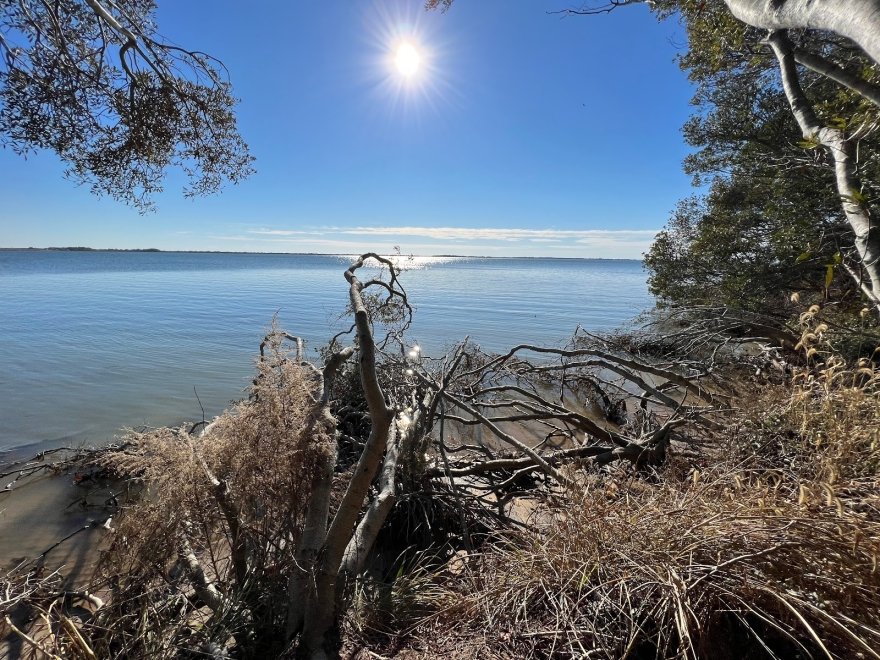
[(364, 536), (839, 75), (314, 533), (867, 235), (110, 19), (204, 587), (231, 513), (321, 612), (858, 20)]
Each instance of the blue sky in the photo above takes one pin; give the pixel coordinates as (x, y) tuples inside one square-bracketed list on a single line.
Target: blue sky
[(522, 133)]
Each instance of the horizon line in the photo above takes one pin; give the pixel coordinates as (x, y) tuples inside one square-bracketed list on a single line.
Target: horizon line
[(303, 254)]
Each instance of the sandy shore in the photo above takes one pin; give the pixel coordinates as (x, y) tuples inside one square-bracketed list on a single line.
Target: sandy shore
[(40, 510)]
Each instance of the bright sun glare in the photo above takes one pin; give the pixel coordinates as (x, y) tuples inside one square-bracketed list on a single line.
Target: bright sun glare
[(407, 60)]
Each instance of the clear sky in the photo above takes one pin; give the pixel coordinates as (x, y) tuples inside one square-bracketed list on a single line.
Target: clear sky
[(521, 133)]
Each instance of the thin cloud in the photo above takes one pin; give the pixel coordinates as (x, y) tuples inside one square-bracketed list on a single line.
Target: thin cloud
[(505, 234), (287, 232)]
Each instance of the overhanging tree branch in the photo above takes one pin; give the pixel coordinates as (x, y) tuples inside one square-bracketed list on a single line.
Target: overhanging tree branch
[(858, 20), (92, 81), (867, 234), (838, 74)]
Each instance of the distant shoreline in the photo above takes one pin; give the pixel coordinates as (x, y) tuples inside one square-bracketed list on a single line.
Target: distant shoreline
[(294, 254)]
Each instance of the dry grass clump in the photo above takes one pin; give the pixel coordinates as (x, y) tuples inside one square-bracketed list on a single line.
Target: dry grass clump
[(217, 523), (717, 567), (827, 428), (837, 412)]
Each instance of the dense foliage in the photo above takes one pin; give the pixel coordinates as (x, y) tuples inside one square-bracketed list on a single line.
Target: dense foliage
[(117, 104), (770, 221)]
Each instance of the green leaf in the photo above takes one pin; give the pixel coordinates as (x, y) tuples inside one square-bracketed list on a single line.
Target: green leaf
[(857, 197), (829, 275), (803, 256)]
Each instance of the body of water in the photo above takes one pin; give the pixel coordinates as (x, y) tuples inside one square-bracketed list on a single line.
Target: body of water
[(91, 342)]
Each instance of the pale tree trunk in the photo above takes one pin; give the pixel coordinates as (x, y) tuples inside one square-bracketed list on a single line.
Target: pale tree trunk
[(320, 614), (314, 533), (365, 534), (858, 20), (867, 235)]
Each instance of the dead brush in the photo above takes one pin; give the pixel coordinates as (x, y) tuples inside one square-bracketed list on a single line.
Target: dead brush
[(837, 413), (24, 591), (835, 408), (246, 538), (217, 522)]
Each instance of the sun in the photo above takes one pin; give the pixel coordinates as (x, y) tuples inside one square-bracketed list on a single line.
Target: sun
[(407, 60)]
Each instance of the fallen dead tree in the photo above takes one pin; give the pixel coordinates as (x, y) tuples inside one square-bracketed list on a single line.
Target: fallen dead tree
[(765, 547), (645, 406)]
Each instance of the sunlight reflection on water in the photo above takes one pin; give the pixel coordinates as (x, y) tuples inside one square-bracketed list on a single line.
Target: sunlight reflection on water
[(411, 262)]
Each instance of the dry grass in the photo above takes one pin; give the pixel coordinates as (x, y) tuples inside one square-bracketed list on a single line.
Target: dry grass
[(714, 570), (243, 483)]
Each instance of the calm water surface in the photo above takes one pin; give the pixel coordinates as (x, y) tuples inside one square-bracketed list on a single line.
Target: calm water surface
[(91, 342)]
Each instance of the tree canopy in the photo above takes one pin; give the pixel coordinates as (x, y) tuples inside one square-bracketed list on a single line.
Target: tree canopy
[(96, 84), (790, 202), (771, 222)]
